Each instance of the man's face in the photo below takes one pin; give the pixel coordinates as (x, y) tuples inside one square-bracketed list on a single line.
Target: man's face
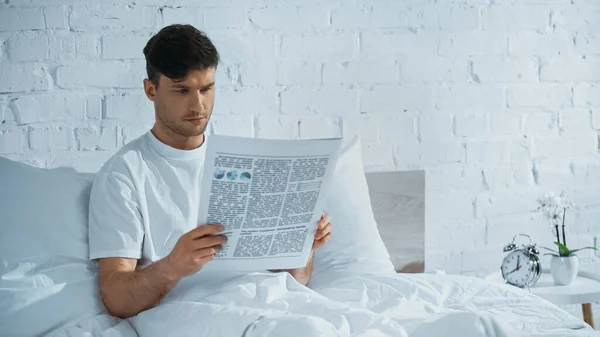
[(184, 106)]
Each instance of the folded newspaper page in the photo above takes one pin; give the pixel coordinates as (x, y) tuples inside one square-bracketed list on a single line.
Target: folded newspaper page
[(269, 195)]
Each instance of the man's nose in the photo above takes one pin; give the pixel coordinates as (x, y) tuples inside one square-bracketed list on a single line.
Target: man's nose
[(197, 101)]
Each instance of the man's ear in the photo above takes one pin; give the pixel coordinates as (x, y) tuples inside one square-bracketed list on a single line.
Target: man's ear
[(150, 89)]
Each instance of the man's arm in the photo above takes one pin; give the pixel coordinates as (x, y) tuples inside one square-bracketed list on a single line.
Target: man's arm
[(302, 275), (126, 291), (323, 234)]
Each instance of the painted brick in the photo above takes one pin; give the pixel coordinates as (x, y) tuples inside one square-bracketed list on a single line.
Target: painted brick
[(241, 47), (515, 18), (584, 144), (327, 100), (377, 156), (56, 17), (108, 74), (587, 94), (282, 127), (574, 122), (232, 125), (315, 127), (489, 69), (539, 95), (51, 139), (24, 78), (567, 69), (421, 68), (471, 125), (407, 155), (55, 107), (96, 138), (458, 17), (249, 100), (540, 122), (469, 95), (437, 126), (128, 46), (131, 130), (360, 72), (381, 46), (30, 46), (182, 15), (439, 152), (398, 129), (395, 99), (530, 43), (94, 17), (288, 18), (505, 202), (300, 73), (473, 43), (497, 151), (13, 141), (131, 106), (310, 45), (258, 73), (14, 18), (364, 126), (452, 205), (224, 17)]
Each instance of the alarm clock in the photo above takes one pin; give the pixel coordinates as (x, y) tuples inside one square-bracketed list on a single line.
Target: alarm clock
[(521, 267)]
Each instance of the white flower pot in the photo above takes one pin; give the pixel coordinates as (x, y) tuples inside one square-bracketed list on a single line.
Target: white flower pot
[(564, 269)]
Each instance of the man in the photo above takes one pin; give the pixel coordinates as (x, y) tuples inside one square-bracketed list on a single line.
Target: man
[(144, 201)]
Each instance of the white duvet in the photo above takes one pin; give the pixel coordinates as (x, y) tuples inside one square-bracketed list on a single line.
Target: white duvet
[(275, 305)]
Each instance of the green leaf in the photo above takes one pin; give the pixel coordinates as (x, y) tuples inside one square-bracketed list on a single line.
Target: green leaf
[(576, 250), (563, 250)]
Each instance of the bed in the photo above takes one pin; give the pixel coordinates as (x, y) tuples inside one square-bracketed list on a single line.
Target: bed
[(367, 280)]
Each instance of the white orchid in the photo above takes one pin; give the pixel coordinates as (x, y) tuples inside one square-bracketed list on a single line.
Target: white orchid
[(555, 207)]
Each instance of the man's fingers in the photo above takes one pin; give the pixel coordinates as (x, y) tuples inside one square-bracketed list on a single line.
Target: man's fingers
[(326, 238), (202, 230), (204, 260), (323, 221), (209, 251), (319, 243), (209, 241), (322, 232)]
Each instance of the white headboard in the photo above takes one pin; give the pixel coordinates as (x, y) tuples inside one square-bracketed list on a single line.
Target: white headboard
[(398, 201)]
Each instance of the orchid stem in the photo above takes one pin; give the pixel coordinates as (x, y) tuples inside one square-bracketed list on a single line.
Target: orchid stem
[(563, 227)]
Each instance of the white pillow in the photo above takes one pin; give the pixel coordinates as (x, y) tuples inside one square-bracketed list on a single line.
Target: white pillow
[(356, 247), (46, 278)]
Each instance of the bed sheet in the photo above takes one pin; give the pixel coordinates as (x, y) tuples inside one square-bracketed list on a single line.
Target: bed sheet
[(419, 305)]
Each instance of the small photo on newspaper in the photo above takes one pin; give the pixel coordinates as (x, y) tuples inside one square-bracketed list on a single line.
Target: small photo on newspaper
[(269, 195)]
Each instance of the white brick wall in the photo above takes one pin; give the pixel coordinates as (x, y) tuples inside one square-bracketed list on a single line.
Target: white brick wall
[(498, 101)]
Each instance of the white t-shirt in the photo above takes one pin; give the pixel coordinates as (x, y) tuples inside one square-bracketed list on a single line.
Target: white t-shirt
[(143, 199)]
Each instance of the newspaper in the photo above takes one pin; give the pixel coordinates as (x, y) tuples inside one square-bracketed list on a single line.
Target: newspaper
[(269, 195)]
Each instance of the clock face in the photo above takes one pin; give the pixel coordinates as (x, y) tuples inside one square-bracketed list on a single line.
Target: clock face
[(516, 268)]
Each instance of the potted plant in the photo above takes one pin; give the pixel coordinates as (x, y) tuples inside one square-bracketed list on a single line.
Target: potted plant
[(564, 264)]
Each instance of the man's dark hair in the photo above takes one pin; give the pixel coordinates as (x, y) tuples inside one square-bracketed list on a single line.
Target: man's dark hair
[(176, 49)]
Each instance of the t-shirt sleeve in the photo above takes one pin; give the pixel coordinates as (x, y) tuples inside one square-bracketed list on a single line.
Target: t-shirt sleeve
[(115, 222)]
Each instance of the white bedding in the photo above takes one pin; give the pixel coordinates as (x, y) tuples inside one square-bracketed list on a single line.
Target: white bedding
[(265, 304)]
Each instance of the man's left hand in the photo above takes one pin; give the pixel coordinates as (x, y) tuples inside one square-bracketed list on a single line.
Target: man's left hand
[(323, 233)]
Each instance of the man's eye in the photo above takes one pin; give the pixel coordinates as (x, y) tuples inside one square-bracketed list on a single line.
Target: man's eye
[(182, 91), (205, 90)]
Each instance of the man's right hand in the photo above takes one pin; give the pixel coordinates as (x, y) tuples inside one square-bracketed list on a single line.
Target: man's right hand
[(195, 249), (127, 291)]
